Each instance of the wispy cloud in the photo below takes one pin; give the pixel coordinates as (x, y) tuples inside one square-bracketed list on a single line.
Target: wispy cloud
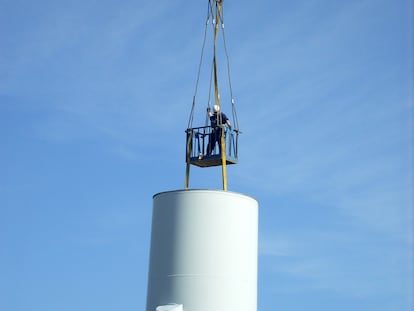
[(326, 132), (325, 261), (94, 75)]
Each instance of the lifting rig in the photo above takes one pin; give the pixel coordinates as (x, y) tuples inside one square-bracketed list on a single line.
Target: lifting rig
[(201, 148)]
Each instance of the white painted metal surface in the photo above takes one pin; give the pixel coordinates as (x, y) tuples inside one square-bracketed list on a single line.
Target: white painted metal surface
[(203, 251), (170, 307)]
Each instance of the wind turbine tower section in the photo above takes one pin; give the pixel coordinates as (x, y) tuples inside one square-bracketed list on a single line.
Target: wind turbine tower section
[(203, 253)]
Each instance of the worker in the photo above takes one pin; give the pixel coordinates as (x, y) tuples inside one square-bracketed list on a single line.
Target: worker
[(218, 121)]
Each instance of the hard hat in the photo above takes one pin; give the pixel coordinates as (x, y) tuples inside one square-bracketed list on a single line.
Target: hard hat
[(216, 108)]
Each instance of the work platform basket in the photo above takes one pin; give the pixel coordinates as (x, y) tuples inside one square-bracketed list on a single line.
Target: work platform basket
[(204, 145)]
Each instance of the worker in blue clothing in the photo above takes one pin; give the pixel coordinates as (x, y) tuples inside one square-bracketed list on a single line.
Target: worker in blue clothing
[(218, 121)]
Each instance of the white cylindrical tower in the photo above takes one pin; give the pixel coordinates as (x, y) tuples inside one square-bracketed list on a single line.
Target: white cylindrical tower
[(203, 251)]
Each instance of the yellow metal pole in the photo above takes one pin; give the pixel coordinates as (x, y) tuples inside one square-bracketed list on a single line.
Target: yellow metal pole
[(217, 98), (223, 160), (188, 155), (187, 175)]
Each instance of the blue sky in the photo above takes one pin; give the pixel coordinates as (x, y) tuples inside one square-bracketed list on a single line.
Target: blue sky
[(94, 100)]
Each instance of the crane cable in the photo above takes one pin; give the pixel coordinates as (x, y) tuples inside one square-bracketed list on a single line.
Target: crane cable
[(216, 27), (215, 15), (233, 108), (190, 121), (209, 94)]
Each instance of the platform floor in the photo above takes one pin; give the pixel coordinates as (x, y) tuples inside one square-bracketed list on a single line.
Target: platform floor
[(213, 160)]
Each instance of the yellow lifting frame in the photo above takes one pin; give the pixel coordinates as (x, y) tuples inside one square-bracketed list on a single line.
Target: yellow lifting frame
[(217, 97), (217, 102)]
